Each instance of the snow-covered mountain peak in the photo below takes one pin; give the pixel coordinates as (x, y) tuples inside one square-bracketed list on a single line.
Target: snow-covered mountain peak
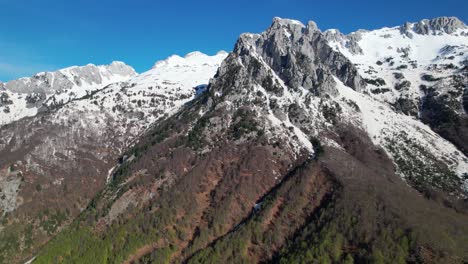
[(222, 52), (288, 22), (192, 59), (292, 27), (195, 54), (50, 82), (120, 67), (436, 26)]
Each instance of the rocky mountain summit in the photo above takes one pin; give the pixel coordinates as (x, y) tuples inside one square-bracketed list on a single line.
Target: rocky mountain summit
[(434, 26), (298, 146)]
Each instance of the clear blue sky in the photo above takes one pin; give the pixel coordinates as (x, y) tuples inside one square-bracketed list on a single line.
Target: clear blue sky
[(40, 35)]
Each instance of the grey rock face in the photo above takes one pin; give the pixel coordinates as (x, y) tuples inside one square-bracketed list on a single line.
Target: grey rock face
[(441, 24), (300, 56), (10, 182), (348, 41), (40, 83)]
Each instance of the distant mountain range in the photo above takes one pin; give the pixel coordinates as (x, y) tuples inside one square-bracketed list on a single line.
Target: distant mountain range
[(299, 146)]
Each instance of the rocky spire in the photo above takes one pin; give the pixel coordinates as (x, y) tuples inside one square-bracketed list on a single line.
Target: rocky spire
[(300, 56)]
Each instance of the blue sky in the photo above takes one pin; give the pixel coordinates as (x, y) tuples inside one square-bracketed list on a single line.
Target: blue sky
[(44, 35)]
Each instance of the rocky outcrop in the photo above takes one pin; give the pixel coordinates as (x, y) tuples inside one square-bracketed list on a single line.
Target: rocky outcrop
[(446, 25), (349, 41), (300, 56)]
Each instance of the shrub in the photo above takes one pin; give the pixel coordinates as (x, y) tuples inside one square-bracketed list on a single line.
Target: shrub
[(429, 78), (376, 82), (317, 146), (402, 85)]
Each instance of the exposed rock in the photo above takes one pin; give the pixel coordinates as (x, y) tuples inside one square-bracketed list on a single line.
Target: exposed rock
[(300, 56), (347, 41), (441, 24)]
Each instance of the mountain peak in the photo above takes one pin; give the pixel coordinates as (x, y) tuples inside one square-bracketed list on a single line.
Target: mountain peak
[(195, 54), (190, 59), (286, 21), (66, 78), (446, 25), (222, 52), (294, 26)]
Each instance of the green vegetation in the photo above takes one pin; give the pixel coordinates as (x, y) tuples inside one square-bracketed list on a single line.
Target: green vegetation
[(318, 148), (162, 256), (195, 137), (336, 236), (353, 105), (80, 244), (331, 112), (50, 222), (15, 239), (377, 82), (429, 78), (438, 112), (380, 90), (420, 167), (243, 124), (270, 224), (404, 85)]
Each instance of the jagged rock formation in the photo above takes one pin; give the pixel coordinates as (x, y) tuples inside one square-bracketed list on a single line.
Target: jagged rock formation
[(301, 56), (438, 25), (287, 157)]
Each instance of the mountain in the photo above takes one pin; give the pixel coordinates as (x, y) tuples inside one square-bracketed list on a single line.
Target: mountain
[(290, 155), (304, 146), (55, 160)]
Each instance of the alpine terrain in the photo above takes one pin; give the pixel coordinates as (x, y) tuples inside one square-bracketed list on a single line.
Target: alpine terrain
[(299, 146)]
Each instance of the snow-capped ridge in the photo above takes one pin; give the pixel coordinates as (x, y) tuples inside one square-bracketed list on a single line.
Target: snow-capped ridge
[(192, 58), (439, 25), (195, 54), (287, 21), (52, 89), (222, 52)]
